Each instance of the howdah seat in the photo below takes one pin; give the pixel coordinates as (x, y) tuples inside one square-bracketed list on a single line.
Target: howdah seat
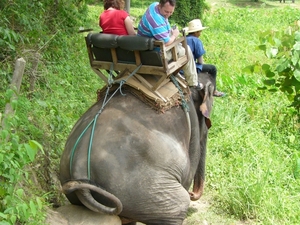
[(135, 54)]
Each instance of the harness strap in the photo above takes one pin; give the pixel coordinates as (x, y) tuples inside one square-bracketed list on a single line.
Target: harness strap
[(185, 106), (93, 122)]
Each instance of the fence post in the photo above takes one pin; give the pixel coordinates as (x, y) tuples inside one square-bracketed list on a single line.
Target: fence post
[(15, 84)]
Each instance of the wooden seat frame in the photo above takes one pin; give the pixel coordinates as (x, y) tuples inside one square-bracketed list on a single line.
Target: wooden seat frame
[(163, 72)]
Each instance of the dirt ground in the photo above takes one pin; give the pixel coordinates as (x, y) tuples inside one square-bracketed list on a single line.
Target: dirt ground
[(201, 213)]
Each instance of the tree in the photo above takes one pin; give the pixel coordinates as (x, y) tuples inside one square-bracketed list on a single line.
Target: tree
[(187, 10)]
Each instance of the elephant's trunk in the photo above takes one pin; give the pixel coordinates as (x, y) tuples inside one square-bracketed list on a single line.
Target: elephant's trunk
[(204, 125), (198, 189), (83, 192)]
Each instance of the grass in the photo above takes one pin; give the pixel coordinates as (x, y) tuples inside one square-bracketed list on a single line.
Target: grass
[(251, 152), (254, 141)]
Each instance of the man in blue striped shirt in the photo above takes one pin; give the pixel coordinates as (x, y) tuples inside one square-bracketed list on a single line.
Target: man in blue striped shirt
[(155, 23)]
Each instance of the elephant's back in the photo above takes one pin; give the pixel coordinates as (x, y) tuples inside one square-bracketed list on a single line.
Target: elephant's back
[(126, 124)]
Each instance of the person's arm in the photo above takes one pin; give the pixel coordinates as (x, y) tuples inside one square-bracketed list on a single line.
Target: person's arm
[(200, 60), (129, 26), (174, 35)]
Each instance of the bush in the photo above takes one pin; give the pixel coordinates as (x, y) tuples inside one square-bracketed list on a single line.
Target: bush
[(186, 11)]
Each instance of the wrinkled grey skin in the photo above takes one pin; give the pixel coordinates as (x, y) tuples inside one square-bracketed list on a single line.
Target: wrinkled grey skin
[(142, 164)]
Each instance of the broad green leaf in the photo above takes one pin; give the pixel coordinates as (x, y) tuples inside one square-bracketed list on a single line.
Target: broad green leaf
[(5, 223), (2, 215), (257, 67), (24, 208), (39, 202), (32, 207), (34, 144), (13, 219), (248, 69), (270, 74), (4, 134), (31, 152), (297, 74), (277, 42), (297, 45), (292, 138), (272, 90), (262, 88), (297, 36), (20, 192), (295, 59), (269, 82), (262, 47), (265, 67), (272, 52), (282, 65)]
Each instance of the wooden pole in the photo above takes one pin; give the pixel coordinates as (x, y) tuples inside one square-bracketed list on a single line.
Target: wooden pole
[(15, 84), (127, 6)]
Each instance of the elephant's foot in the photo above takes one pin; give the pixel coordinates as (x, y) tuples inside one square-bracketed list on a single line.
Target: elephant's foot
[(197, 192)]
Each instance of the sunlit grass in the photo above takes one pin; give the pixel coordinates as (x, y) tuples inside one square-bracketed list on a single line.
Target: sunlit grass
[(250, 151), (252, 145)]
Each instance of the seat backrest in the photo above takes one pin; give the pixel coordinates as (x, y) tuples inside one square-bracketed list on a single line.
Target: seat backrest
[(103, 40), (135, 43), (125, 46), (101, 45)]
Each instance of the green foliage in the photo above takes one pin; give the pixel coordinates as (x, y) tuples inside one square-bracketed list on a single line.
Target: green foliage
[(283, 71), (27, 27), (253, 152), (39, 24), (15, 155), (8, 40), (186, 11)]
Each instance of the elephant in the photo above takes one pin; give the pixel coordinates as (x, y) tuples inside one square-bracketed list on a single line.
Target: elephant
[(136, 163)]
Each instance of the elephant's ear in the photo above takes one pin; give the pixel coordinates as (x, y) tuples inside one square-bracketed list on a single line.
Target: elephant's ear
[(207, 103)]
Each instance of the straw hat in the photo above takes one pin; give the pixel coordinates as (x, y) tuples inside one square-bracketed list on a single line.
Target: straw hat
[(193, 26)]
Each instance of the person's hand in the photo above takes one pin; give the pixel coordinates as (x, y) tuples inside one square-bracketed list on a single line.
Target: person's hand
[(175, 32)]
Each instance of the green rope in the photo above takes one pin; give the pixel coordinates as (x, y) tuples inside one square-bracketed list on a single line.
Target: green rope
[(110, 83), (76, 143), (90, 146), (183, 101)]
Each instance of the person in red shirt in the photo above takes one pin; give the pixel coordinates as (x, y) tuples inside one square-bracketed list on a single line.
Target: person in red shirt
[(115, 20)]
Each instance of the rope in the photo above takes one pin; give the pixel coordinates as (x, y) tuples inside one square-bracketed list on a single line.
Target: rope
[(105, 101), (185, 106), (183, 101)]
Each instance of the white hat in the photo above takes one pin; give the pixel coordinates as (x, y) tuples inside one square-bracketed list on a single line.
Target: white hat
[(194, 25)]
